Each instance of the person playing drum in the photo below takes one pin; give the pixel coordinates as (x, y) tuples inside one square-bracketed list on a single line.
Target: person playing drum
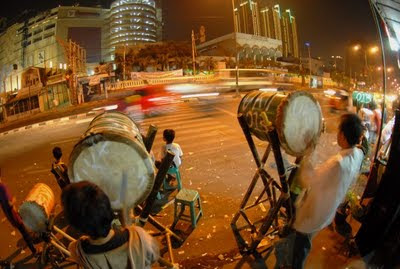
[(325, 188), (88, 209), (7, 204)]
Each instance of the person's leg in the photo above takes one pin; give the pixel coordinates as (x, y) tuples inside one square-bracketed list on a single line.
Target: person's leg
[(302, 246)]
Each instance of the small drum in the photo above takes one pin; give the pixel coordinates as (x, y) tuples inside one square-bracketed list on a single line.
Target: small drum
[(297, 118), (112, 155), (36, 209)]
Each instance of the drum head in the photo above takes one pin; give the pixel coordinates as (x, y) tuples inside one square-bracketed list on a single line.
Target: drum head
[(299, 123), (121, 167), (37, 207)]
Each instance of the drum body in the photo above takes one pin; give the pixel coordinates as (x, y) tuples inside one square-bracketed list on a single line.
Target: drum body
[(112, 155), (37, 207), (297, 117)]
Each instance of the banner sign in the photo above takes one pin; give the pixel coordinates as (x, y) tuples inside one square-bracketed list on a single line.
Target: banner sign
[(156, 75)]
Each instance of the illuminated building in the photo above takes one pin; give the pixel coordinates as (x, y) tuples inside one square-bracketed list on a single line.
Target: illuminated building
[(254, 17), (133, 22)]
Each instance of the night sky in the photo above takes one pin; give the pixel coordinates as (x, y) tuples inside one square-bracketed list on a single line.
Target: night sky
[(329, 25)]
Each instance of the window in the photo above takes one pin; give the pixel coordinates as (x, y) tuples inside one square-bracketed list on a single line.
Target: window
[(37, 39), (48, 35), (38, 31), (50, 26)]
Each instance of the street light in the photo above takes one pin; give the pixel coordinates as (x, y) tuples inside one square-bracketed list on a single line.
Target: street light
[(235, 29), (308, 45)]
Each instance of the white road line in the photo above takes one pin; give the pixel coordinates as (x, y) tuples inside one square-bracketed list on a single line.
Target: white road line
[(226, 112), (65, 141), (189, 125), (84, 121), (38, 171)]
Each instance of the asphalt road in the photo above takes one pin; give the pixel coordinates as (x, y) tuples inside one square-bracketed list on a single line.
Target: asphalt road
[(217, 163)]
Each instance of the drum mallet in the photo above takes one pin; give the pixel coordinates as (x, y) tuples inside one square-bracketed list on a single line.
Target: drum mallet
[(150, 136), (162, 173)]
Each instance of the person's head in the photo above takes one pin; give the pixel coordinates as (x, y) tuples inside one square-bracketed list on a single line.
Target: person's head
[(350, 131), (57, 153), (372, 105), (169, 135), (87, 208)]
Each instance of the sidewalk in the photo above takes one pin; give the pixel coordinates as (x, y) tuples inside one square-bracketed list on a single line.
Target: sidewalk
[(63, 112)]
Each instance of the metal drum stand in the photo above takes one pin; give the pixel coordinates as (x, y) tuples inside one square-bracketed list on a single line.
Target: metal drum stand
[(268, 224)]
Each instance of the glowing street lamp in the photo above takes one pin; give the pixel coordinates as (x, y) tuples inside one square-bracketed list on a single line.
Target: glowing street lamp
[(374, 50)]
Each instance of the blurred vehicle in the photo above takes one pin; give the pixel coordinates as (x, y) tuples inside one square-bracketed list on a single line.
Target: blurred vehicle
[(148, 101), (338, 99)]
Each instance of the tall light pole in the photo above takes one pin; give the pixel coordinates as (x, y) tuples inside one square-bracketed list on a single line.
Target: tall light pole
[(194, 53), (308, 45), (236, 48)]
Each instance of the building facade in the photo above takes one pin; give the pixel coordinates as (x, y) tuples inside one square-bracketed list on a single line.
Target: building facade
[(38, 41), (133, 22), (255, 17)]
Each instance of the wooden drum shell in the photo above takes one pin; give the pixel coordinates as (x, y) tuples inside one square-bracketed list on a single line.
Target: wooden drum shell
[(277, 107)]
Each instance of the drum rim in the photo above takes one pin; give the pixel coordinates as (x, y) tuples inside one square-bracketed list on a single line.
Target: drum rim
[(47, 215), (115, 137), (280, 122)]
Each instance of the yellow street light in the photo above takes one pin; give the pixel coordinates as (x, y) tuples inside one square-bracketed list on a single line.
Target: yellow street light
[(374, 50), (356, 47)]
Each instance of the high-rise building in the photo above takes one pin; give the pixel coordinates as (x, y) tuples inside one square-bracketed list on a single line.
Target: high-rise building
[(133, 22), (36, 40), (258, 18)]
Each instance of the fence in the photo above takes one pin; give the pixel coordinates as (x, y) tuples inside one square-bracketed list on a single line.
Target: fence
[(120, 85)]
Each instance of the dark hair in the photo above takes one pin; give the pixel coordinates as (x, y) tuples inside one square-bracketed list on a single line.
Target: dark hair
[(372, 105), (57, 153), (352, 128), (87, 208), (169, 135)]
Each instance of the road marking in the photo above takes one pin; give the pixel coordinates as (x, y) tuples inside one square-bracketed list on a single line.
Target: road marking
[(84, 121), (65, 141), (38, 171), (226, 112)]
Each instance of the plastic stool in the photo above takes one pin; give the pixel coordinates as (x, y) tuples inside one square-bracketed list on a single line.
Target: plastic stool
[(175, 172), (189, 198)]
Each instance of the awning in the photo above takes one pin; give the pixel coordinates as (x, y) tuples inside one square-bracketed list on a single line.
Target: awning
[(25, 93), (389, 10)]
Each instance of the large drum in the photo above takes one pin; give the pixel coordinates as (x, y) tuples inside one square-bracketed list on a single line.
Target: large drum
[(112, 155), (35, 211), (296, 116)]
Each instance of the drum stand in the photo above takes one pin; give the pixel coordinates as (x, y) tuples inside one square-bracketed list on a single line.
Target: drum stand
[(268, 224), (54, 251)]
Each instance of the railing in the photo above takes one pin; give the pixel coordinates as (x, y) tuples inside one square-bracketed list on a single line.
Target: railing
[(120, 85)]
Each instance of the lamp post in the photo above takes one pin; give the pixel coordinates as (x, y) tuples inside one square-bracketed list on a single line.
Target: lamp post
[(308, 45), (236, 49), (371, 50)]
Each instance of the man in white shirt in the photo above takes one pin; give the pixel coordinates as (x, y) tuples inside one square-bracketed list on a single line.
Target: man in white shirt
[(326, 187)]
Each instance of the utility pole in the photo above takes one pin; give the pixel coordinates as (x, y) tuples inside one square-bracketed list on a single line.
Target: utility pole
[(309, 59), (235, 30), (76, 58), (124, 67), (194, 53)]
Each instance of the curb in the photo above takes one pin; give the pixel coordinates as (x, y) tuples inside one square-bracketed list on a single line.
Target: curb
[(51, 122)]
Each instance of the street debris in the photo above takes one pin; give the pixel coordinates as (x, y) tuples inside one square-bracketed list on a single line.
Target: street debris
[(209, 236), (237, 256), (204, 254), (181, 252), (221, 257), (190, 168), (13, 233)]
